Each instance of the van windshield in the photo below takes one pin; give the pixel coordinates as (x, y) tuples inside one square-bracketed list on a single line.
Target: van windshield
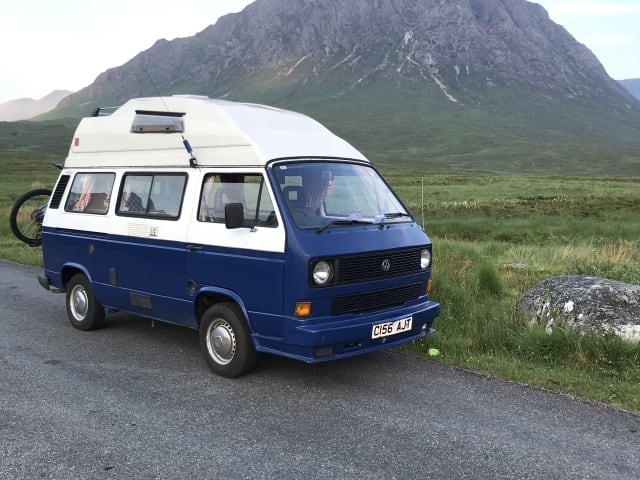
[(322, 194)]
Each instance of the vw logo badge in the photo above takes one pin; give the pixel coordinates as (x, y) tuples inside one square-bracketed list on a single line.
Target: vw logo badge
[(386, 265)]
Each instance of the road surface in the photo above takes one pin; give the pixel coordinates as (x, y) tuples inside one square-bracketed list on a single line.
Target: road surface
[(133, 400)]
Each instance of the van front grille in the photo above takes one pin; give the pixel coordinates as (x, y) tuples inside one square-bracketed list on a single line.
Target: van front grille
[(362, 302), (373, 266)]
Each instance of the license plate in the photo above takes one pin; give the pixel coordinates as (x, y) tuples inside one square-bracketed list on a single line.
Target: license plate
[(391, 328)]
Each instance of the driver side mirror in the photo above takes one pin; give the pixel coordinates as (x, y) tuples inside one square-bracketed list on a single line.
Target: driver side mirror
[(234, 215)]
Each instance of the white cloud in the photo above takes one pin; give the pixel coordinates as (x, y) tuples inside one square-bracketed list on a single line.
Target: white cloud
[(590, 9), (66, 45)]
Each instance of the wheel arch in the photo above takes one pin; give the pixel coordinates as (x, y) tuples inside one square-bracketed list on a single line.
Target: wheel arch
[(210, 296), (69, 270)]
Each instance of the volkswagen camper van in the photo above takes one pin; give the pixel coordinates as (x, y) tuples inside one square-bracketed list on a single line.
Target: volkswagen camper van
[(255, 225)]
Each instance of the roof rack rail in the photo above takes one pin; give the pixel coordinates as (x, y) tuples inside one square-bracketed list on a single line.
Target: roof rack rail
[(103, 111)]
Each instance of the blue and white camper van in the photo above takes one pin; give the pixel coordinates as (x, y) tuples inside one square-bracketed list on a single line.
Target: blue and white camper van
[(268, 233)]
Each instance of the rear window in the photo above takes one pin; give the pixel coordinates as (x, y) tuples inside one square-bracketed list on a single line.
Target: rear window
[(90, 193), (152, 195)]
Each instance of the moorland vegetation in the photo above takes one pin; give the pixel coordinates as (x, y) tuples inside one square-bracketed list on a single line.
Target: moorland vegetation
[(494, 235)]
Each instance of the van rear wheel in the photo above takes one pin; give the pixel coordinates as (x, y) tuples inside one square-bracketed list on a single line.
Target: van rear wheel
[(83, 310), (225, 341)]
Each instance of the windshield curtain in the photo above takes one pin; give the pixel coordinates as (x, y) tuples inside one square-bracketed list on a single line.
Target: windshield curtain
[(319, 193)]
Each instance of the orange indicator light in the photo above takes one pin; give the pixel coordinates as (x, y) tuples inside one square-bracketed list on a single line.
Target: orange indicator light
[(303, 309)]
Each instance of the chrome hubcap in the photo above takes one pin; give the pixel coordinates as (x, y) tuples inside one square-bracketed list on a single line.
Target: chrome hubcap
[(221, 342), (79, 303)]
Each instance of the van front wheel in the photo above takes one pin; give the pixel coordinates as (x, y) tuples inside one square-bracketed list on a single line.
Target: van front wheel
[(83, 310), (225, 341)]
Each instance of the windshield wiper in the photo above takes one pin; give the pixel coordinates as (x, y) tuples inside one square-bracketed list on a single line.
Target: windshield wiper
[(336, 223), (381, 218), (396, 215)]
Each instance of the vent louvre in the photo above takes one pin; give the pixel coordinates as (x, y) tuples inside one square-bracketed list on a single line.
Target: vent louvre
[(157, 122), (363, 302), (369, 266), (56, 198), (142, 301)]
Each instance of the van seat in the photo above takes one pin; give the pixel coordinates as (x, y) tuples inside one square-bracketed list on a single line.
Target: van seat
[(294, 195), (229, 193)]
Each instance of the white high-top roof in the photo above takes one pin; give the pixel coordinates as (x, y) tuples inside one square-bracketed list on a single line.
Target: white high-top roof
[(221, 133)]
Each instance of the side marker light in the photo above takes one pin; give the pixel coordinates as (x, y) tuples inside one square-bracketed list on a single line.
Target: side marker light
[(303, 309)]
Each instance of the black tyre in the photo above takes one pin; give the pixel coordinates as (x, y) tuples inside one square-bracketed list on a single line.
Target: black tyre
[(225, 341), (83, 310), (27, 215)]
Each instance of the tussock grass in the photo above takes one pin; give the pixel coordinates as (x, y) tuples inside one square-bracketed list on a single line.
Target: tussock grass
[(494, 241)]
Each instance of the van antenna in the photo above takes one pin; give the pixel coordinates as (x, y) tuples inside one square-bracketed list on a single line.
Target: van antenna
[(422, 204), (193, 162)]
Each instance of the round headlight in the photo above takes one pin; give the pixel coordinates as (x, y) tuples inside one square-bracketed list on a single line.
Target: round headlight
[(322, 272), (425, 259)]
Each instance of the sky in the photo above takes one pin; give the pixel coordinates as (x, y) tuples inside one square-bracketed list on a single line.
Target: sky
[(609, 28), (73, 41)]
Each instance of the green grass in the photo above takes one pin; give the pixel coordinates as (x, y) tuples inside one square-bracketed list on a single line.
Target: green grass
[(19, 175), (495, 236)]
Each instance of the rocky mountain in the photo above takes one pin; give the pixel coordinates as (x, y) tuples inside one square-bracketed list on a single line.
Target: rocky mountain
[(491, 84), (633, 85), (25, 108)]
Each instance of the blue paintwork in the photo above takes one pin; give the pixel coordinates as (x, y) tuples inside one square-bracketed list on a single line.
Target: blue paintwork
[(303, 336), (348, 334), (265, 285), (254, 279), (138, 271)]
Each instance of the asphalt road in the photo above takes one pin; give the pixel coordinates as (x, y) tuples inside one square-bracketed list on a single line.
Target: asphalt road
[(134, 400)]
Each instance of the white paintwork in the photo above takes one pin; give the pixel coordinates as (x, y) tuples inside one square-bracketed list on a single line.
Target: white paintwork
[(187, 229), (222, 133), (225, 136)]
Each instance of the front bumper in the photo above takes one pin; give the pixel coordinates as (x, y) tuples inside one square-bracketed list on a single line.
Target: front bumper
[(324, 339)]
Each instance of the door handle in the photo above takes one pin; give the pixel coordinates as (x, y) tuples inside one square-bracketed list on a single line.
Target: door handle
[(194, 248)]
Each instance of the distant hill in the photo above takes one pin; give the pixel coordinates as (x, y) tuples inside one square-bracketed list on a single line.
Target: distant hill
[(25, 108), (463, 84), (633, 85)]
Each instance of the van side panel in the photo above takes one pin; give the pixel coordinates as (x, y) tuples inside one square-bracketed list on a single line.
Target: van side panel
[(124, 274), (255, 276)]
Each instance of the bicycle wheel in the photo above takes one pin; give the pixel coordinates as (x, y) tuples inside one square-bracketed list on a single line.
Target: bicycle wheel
[(27, 215)]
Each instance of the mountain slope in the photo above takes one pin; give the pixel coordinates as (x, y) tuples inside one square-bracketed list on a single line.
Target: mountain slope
[(633, 85), (488, 84), (24, 108)]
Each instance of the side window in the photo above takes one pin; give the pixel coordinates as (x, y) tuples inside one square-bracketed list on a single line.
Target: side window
[(218, 190), (90, 193), (266, 213), (152, 195)]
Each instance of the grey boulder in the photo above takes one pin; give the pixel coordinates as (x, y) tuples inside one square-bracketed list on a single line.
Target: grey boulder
[(584, 304)]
